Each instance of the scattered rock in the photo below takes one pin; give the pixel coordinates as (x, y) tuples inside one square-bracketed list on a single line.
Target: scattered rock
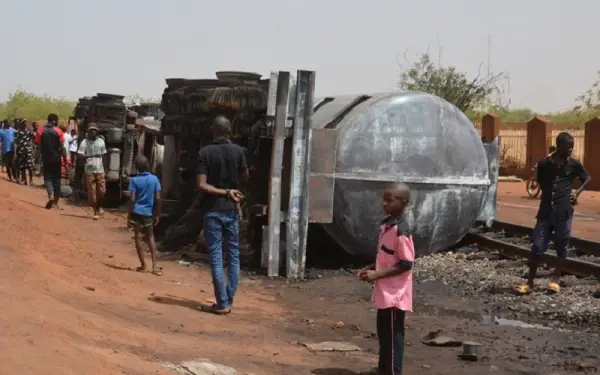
[(201, 367), (436, 338), (90, 288), (426, 366), (332, 346), (490, 280), (338, 325), (587, 367)]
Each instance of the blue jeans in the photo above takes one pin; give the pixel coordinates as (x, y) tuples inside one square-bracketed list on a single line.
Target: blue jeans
[(219, 225), (543, 230)]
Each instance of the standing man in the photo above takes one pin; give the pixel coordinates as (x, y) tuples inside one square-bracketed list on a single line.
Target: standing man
[(7, 137), (555, 175), (92, 150), (50, 140), (221, 166)]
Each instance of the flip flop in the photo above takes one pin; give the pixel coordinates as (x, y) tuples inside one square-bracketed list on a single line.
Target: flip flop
[(157, 272), (215, 310), (522, 289), (141, 269), (553, 288), (49, 204)]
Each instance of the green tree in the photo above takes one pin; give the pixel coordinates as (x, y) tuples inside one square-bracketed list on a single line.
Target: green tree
[(589, 102), (30, 106), (465, 93)]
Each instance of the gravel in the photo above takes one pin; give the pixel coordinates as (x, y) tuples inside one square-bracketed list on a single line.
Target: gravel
[(489, 278)]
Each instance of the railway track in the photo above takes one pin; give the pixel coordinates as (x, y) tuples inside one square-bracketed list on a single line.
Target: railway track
[(514, 241)]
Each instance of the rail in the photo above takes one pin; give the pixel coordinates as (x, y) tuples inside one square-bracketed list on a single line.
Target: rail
[(582, 245), (573, 265)]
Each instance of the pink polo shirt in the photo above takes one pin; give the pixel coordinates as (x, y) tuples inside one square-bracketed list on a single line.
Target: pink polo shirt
[(395, 245)]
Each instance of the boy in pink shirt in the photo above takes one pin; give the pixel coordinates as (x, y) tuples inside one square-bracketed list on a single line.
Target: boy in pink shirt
[(392, 278)]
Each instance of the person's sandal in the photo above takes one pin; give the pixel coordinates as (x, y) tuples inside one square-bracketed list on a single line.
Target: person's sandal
[(522, 289), (553, 288), (215, 310)]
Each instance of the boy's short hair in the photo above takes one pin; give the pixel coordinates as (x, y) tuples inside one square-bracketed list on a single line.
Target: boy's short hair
[(142, 164)]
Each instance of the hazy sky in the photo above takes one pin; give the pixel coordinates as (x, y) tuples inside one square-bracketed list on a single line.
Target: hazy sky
[(74, 48)]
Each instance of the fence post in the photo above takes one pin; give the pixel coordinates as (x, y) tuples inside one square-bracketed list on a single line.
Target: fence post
[(591, 156), (539, 131), (490, 127)]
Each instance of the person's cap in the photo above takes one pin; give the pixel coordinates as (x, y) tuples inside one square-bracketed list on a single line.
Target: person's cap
[(93, 127)]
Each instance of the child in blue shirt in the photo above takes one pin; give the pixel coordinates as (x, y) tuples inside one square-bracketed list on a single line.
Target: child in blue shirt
[(144, 210)]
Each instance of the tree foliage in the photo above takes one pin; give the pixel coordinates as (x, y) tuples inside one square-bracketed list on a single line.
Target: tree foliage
[(468, 94), (589, 102), (27, 105)]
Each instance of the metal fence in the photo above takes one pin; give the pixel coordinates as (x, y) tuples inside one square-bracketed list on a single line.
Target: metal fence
[(513, 148)]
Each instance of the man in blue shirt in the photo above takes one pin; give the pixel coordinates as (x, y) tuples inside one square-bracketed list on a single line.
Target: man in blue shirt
[(7, 137), (144, 210)]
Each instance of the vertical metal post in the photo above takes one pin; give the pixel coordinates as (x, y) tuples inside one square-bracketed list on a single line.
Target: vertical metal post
[(297, 225), (283, 87)]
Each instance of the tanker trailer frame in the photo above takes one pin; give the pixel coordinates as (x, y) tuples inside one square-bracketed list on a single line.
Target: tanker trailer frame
[(299, 162)]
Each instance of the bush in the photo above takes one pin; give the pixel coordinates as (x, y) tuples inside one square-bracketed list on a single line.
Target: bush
[(29, 106)]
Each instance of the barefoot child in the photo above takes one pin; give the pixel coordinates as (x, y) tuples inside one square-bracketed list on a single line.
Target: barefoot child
[(144, 210), (392, 278)]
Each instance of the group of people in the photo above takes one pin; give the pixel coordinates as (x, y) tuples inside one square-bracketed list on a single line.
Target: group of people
[(18, 150), (221, 168)]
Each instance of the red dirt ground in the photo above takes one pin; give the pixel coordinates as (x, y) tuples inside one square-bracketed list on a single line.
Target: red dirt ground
[(72, 306)]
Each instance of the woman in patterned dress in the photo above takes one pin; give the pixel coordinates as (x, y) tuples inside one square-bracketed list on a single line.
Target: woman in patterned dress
[(24, 151)]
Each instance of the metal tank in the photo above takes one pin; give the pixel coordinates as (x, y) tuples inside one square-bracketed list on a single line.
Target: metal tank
[(411, 137)]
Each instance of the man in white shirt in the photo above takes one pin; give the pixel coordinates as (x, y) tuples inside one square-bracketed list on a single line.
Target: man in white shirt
[(93, 149), (73, 142)]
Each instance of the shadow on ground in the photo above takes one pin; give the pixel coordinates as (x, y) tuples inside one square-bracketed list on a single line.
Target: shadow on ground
[(183, 302), (334, 371)]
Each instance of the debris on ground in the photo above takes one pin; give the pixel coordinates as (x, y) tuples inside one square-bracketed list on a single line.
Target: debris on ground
[(437, 338), (471, 351), (491, 279), (200, 367), (332, 346)]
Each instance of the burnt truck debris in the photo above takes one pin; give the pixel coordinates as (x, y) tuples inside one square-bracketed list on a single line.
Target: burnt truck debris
[(325, 162), (126, 133)]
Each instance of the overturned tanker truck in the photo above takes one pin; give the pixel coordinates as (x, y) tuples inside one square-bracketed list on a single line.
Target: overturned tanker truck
[(359, 145), (126, 133)]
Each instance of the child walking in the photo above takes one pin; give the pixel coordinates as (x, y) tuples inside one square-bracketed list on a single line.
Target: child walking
[(144, 210), (392, 278)]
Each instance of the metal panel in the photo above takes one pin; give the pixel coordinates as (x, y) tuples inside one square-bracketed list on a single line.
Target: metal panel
[(320, 205), (298, 208), (272, 95), (488, 212), (322, 171), (283, 86), (330, 110)]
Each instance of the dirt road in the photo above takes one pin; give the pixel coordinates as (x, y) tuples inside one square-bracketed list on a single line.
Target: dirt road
[(71, 305), (516, 207)]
